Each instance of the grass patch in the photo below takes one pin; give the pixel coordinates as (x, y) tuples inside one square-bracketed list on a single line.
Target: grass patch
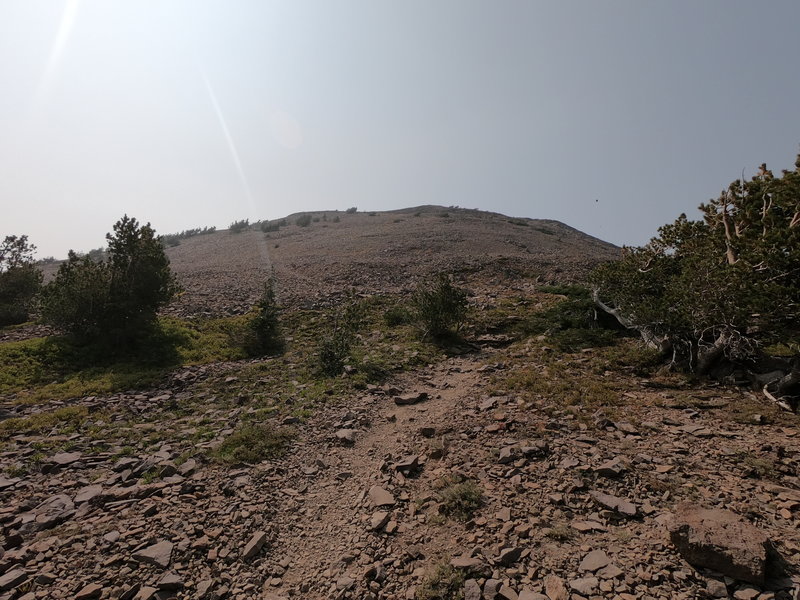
[(67, 418), (442, 582), (253, 443), (459, 498)]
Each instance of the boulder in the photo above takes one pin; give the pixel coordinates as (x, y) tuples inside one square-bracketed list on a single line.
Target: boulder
[(720, 540)]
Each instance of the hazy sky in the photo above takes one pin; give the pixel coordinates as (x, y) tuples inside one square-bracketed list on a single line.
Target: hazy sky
[(193, 113)]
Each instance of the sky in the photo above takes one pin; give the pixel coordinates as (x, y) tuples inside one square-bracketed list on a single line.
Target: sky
[(611, 116)]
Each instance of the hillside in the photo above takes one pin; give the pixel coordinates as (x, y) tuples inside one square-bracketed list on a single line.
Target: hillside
[(536, 457), (384, 252)]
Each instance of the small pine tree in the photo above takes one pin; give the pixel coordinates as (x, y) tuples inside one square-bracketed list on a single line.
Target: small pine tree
[(20, 279), (266, 324), (114, 300)]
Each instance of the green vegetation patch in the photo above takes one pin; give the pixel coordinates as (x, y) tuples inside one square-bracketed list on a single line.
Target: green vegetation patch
[(442, 582), (459, 498), (68, 417), (253, 443)]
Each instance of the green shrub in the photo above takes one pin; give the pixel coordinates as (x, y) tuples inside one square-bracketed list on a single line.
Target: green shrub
[(20, 280), (459, 498), (303, 220), (722, 287), (268, 226), (440, 306), (443, 582), (352, 210), (398, 315), (335, 345), (573, 323), (252, 444), (239, 226), (116, 300), (265, 326), (174, 239)]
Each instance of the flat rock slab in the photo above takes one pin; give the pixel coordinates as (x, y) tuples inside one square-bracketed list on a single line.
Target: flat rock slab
[(62, 459), (620, 505), (380, 497), (720, 540), (595, 560), (7, 483), (158, 554), (88, 493), (407, 399), (12, 579), (89, 592), (255, 544), (555, 588)]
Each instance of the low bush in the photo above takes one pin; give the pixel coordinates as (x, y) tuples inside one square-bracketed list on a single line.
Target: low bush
[(335, 345), (398, 315), (253, 443), (303, 220), (352, 210), (459, 498), (440, 306), (116, 300), (174, 239), (239, 226), (443, 582), (574, 323), (269, 226)]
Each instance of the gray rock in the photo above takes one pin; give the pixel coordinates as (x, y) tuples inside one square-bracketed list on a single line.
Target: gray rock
[(491, 588), (611, 468), (508, 556), (527, 594), (379, 520), (346, 436), (716, 588)]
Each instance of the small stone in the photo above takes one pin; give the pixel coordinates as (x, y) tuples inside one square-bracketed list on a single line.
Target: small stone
[(491, 588), (716, 588), (586, 586), (346, 436), (12, 579), (508, 556), (407, 399), (379, 520), (596, 559), (158, 554), (555, 588), (380, 497), (472, 591), (255, 544), (620, 505), (88, 592)]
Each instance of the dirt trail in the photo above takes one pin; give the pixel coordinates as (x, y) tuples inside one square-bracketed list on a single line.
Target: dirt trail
[(331, 517)]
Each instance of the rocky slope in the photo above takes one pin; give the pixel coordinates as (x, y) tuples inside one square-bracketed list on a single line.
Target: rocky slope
[(512, 471)]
